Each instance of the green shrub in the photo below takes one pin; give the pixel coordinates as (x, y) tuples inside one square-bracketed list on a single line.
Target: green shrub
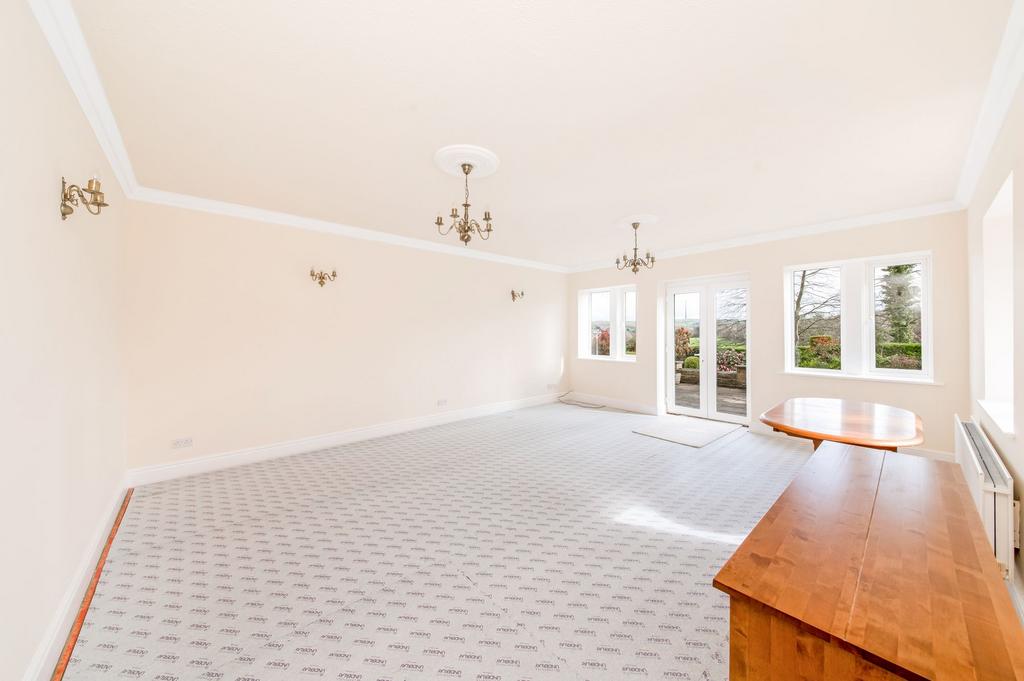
[(897, 362), (691, 362), (813, 358), (905, 349)]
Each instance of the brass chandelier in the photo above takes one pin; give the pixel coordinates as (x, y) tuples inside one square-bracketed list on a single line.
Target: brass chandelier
[(636, 262), (464, 225)]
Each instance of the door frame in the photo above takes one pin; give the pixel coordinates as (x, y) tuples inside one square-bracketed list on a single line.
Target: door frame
[(707, 288)]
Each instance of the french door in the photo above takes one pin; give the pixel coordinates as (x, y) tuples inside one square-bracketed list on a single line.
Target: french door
[(707, 348)]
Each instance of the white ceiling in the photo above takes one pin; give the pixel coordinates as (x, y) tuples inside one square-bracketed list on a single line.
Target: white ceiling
[(726, 118)]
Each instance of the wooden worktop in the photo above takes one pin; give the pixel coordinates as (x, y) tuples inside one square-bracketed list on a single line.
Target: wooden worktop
[(878, 555)]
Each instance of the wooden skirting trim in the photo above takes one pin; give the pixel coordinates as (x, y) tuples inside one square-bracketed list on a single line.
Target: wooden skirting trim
[(76, 628)]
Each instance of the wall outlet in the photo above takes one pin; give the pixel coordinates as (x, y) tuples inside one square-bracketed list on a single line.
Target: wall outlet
[(442, 403), (181, 443)]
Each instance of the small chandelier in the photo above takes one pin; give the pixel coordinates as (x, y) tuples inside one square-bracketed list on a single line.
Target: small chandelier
[(465, 225), (636, 262)]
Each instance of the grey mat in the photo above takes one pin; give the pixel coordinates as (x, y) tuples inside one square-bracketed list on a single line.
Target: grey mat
[(685, 430)]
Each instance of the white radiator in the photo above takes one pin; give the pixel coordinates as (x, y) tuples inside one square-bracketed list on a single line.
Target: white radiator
[(992, 488)]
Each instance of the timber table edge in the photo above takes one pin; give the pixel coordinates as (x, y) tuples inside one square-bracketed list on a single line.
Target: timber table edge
[(838, 641), (814, 435)]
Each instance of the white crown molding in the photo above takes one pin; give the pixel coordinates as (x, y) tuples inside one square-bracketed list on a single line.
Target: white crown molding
[(61, 29), (793, 232), (164, 198), (40, 667), (212, 462), (1007, 72)]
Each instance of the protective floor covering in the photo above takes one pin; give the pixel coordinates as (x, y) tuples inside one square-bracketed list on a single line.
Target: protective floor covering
[(546, 543)]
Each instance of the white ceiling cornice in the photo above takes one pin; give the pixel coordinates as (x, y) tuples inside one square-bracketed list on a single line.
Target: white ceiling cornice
[(803, 230), (158, 196), (61, 28), (1007, 72)]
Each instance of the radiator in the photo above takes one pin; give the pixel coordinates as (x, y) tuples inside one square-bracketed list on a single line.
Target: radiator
[(992, 489)]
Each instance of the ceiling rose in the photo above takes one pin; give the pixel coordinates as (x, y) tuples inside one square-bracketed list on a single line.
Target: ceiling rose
[(450, 159)]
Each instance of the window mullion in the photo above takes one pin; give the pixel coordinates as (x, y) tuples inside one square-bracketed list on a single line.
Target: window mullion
[(852, 322)]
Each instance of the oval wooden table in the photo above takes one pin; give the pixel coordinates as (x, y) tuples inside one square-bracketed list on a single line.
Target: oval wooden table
[(865, 424)]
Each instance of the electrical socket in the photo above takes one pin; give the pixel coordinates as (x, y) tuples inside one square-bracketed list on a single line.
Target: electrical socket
[(181, 443), (442, 403)]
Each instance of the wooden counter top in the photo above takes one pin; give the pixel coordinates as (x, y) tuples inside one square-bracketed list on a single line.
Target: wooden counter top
[(882, 555)]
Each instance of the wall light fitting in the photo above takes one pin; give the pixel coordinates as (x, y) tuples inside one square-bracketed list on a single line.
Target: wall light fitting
[(322, 277), (72, 195)]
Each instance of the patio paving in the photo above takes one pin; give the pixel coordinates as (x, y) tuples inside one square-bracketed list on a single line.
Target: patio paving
[(730, 400)]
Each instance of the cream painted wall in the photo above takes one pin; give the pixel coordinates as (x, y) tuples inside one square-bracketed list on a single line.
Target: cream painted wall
[(1007, 156), (60, 405), (944, 235), (230, 343)]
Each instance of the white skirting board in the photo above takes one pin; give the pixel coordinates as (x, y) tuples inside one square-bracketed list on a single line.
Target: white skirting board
[(613, 403), (41, 666), (212, 462)]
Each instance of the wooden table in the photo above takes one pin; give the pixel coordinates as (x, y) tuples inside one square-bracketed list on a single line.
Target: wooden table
[(870, 566), (865, 424)]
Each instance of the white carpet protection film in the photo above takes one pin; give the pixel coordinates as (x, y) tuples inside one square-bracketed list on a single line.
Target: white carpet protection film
[(547, 543)]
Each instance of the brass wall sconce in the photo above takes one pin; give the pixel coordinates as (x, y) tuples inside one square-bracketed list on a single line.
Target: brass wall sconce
[(322, 277), (72, 195), (516, 295)]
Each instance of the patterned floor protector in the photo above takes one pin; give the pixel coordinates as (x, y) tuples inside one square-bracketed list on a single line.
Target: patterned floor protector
[(541, 544)]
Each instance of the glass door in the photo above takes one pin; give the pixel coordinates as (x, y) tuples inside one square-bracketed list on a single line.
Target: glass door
[(688, 390), (730, 362), (707, 350)]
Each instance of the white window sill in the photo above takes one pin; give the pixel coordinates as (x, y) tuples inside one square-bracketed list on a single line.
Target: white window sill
[(625, 360), (1000, 413), (874, 378)]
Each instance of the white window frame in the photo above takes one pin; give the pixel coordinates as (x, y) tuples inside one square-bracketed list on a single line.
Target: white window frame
[(925, 261), (617, 324), (857, 319)]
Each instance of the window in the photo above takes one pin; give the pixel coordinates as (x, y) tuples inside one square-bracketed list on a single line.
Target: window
[(817, 318), (897, 332), (865, 317), (607, 320), (629, 322), (997, 308), (600, 323)]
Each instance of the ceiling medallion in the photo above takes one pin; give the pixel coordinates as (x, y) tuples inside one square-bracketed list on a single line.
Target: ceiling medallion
[(636, 262), (466, 159)]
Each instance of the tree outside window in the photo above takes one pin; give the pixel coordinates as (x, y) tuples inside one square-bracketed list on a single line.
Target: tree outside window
[(897, 295), (817, 318)]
